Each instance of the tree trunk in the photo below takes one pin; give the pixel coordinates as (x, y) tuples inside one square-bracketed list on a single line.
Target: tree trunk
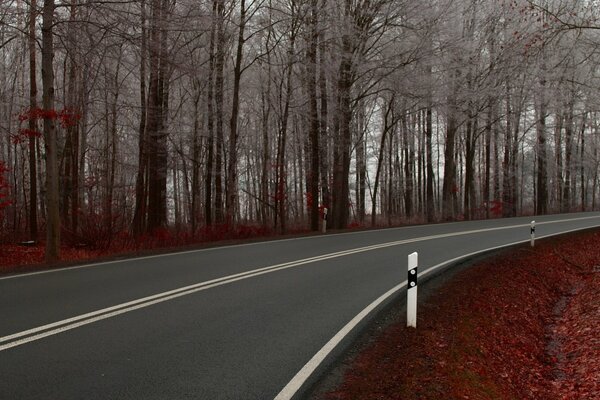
[(231, 201), (430, 174), (449, 186), (541, 206), (219, 88), (138, 224), (314, 117), (386, 127), (341, 171), (33, 224), (324, 124), (50, 137), (281, 190)]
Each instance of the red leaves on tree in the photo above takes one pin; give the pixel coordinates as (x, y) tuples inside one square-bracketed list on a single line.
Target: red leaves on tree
[(23, 134), (67, 116)]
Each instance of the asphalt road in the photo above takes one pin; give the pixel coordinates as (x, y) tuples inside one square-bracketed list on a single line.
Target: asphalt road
[(201, 325)]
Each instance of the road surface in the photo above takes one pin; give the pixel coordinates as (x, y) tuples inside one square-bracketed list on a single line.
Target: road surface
[(238, 322)]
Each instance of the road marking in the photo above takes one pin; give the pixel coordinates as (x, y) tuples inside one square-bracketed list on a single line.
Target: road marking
[(266, 242), (43, 331), (294, 385)]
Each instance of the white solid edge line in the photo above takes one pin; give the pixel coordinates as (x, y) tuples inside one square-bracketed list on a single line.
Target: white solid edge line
[(288, 392), (76, 267)]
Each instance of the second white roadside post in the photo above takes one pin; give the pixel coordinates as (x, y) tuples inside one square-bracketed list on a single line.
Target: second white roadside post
[(325, 220), (532, 233), (411, 292)]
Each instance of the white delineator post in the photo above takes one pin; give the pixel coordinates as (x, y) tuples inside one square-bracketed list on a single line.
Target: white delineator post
[(532, 233), (411, 292), (325, 220)]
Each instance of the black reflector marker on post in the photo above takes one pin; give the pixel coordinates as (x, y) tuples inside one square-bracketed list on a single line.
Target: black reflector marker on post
[(532, 233), (411, 292)]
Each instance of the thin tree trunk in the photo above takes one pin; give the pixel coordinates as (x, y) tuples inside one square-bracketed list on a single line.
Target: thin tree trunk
[(219, 88), (33, 224), (430, 174), (139, 216), (231, 201), (50, 137), (313, 182), (281, 147), (386, 127)]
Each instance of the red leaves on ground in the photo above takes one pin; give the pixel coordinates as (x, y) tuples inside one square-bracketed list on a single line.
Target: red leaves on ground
[(100, 237), (485, 334), (578, 332), (13, 257)]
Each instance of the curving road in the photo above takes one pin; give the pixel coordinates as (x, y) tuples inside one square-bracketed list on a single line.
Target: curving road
[(253, 321)]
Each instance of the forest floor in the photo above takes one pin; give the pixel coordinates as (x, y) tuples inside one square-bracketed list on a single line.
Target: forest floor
[(522, 324), (21, 256)]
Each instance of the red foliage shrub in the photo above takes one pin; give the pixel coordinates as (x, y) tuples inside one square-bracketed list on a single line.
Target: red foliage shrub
[(355, 225), (496, 207)]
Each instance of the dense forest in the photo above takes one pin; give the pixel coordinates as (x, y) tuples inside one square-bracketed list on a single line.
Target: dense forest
[(131, 116)]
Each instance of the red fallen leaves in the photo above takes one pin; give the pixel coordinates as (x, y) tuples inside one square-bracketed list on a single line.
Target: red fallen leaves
[(578, 331), (14, 256), (485, 334), (97, 241)]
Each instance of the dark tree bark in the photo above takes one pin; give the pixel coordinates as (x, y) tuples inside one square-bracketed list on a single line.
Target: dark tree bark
[(449, 185), (50, 137), (341, 158), (324, 125), (566, 195), (196, 143), (507, 207), (138, 224), (541, 204), (219, 88), (33, 207), (281, 175), (388, 124), (210, 124), (313, 182), (408, 167), (157, 106), (430, 174), (231, 201), (361, 164)]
